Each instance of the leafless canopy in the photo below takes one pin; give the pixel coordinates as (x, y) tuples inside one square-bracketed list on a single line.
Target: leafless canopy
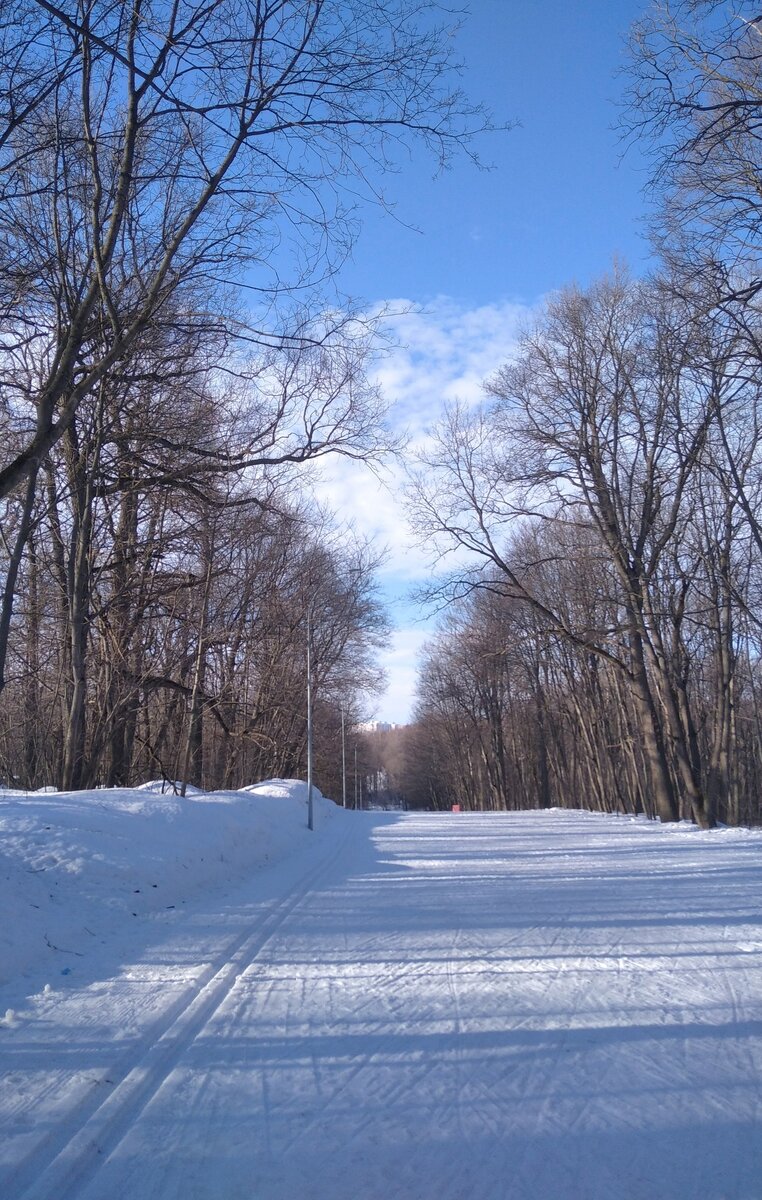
[(695, 104), (153, 151)]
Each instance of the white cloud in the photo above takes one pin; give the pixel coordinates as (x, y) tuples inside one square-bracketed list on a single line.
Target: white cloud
[(441, 353), (400, 662)]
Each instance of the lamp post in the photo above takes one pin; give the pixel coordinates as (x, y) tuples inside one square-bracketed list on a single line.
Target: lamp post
[(310, 814), (343, 761)]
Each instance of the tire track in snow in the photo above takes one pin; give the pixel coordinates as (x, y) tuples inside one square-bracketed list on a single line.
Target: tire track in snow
[(77, 1147)]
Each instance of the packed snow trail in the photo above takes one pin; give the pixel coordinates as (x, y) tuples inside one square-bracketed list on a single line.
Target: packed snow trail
[(530, 1006)]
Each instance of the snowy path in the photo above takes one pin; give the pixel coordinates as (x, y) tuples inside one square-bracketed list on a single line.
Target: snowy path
[(547, 1006)]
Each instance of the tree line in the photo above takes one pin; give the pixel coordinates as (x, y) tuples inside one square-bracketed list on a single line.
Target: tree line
[(178, 186), (604, 650), (159, 613)]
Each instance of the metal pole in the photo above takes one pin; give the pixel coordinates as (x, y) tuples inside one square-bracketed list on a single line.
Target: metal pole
[(355, 776), (343, 762), (310, 815)]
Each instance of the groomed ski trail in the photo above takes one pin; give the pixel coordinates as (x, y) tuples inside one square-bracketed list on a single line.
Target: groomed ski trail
[(529, 1006)]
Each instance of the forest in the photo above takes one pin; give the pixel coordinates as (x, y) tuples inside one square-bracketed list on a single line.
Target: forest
[(175, 202), (177, 191), (601, 644)]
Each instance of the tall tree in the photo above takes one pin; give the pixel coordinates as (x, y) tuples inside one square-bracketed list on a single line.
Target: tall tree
[(604, 419), (146, 145)]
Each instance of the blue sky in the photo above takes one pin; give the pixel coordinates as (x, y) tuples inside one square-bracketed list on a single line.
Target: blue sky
[(558, 204), (472, 252)]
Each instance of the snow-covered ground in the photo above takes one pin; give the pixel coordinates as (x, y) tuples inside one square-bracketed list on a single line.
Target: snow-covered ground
[(209, 1002)]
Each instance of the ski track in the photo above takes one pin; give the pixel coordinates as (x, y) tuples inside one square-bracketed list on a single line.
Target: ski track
[(529, 1006), (71, 1153)]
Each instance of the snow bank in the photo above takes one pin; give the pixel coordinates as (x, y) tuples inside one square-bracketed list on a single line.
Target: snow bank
[(77, 868)]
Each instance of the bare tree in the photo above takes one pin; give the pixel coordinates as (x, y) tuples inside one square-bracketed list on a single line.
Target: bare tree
[(603, 419), (145, 146), (695, 103)]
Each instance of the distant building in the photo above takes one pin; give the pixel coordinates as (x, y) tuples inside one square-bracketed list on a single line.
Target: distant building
[(378, 726)]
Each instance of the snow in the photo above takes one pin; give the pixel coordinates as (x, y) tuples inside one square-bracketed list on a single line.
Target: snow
[(79, 867), (210, 1002)]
